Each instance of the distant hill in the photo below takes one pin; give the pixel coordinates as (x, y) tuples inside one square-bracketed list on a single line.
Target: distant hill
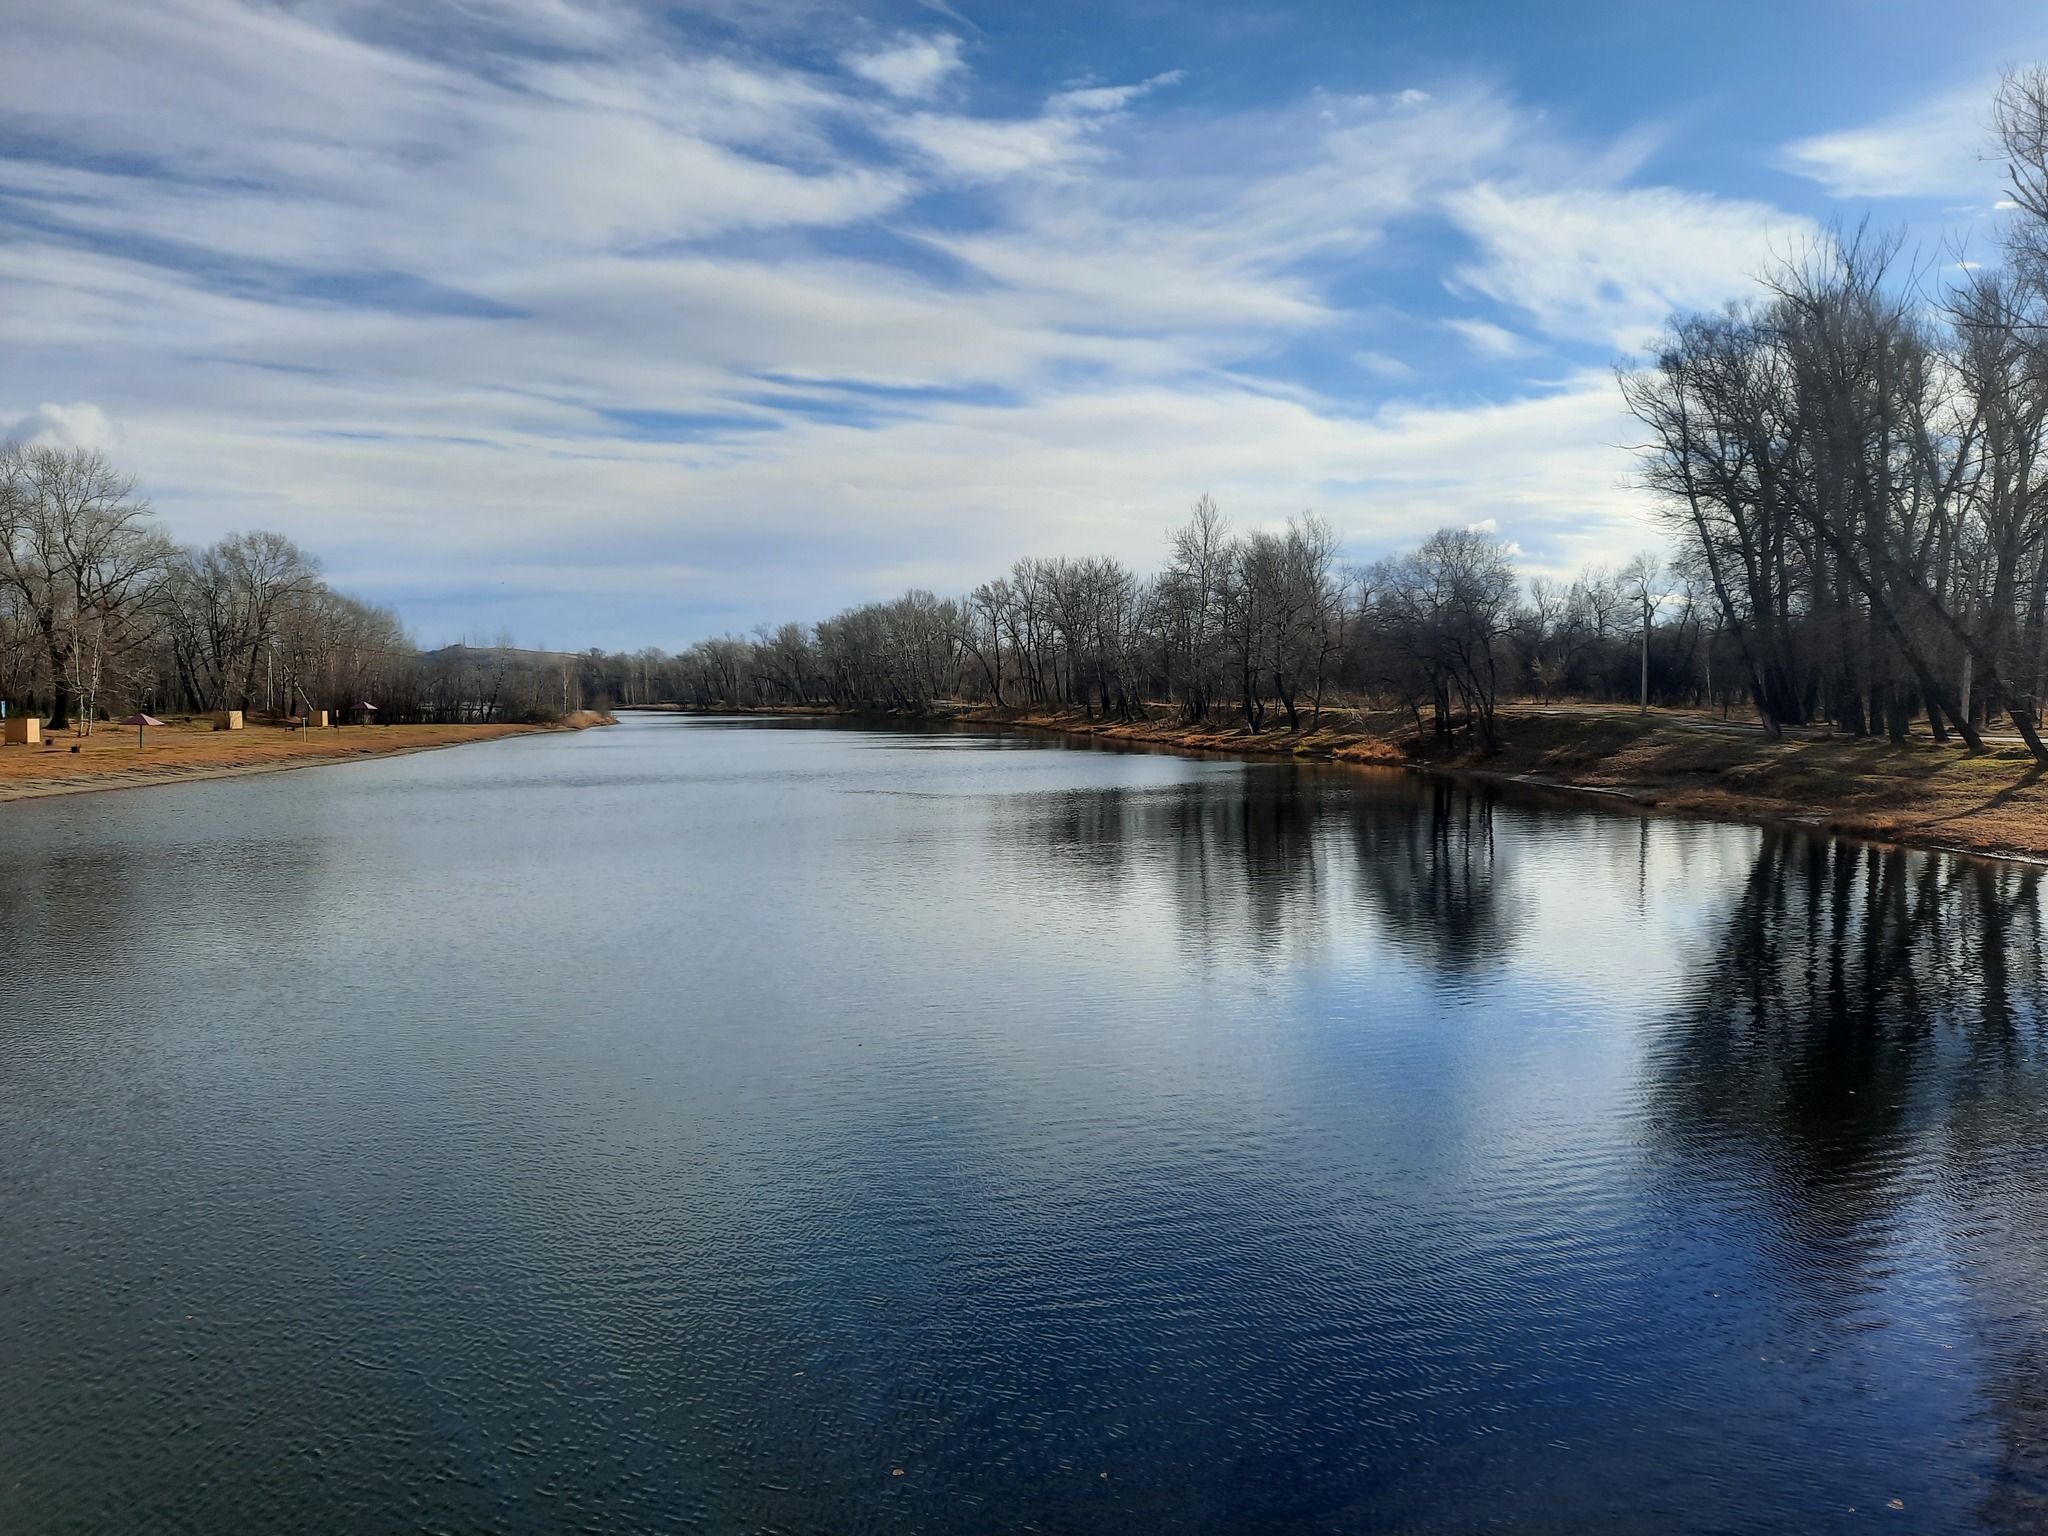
[(500, 655)]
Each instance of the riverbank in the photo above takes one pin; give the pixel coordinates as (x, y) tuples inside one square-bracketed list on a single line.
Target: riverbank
[(184, 749), (1922, 794)]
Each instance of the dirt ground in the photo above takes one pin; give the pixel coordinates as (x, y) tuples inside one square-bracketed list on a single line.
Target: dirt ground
[(68, 762)]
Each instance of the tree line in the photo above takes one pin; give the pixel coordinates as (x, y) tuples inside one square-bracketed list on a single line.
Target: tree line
[(1263, 628), (1855, 465), (101, 612)]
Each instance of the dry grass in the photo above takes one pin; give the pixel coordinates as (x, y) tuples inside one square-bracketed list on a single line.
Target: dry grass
[(1922, 793), (190, 748)]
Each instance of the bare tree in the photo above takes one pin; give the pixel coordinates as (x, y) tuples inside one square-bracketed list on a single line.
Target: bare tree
[(1189, 610), (1440, 618), (82, 559), (1640, 577)]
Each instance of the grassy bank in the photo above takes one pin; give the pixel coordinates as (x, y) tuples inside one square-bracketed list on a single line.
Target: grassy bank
[(181, 749), (1921, 793)]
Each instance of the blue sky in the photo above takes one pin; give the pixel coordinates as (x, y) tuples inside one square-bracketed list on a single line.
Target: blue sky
[(619, 324)]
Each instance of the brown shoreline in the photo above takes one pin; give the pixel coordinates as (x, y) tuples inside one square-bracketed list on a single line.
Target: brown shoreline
[(187, 750), (1919, 795)]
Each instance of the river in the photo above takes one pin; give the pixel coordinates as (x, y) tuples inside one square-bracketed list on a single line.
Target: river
[(739, 1126)]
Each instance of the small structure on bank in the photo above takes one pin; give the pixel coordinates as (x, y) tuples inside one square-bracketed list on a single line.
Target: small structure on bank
[(227, 720), (140, 722)]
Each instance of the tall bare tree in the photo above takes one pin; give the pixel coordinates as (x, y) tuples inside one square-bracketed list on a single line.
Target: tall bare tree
[(81, 556)]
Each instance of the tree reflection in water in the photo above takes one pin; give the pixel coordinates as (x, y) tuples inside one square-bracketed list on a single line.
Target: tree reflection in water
[(1429, 865), (1855, 1076), (1253, 860), (1861, 1049)]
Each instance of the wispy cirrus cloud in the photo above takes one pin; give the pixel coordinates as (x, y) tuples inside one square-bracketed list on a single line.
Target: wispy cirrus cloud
[(1609, 265), (1937, 147), (733, 333)]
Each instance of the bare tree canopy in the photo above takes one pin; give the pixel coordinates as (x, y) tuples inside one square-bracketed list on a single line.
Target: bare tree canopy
[(81, 559), (101, 613), (1863, 481)]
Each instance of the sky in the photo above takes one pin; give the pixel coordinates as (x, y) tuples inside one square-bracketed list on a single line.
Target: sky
[(609, 323)]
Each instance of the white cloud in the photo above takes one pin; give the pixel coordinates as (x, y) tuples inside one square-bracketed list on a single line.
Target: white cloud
[(1610, 265), (1488, 339), (990, 149), (937, 499), (1383, 365), (915, 68), (610, 353), (981, 150), (80, 424), (1937, 148), (1109, 98), (1214, 260)]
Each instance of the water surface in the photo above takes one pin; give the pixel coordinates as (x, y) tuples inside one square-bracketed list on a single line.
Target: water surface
[(720, 1126)]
